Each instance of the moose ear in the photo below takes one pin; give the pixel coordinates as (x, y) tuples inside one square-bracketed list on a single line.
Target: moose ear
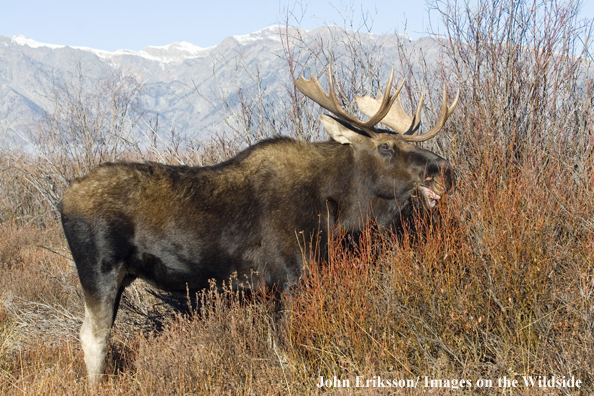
[(341, 132)]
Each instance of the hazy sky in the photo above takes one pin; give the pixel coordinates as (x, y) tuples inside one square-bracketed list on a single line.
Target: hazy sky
[(135, 24)]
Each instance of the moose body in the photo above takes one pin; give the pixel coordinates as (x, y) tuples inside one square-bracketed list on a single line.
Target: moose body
[(177, 227)]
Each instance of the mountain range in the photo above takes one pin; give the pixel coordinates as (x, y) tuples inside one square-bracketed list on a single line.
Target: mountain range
[(185, 85)]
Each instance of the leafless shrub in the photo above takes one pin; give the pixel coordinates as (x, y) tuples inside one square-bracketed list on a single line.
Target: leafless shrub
[(86, 125), (523, 67)]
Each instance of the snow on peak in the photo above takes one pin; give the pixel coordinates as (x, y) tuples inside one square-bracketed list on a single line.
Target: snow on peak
[(22, 40), (168, 53), (269, 33), (173, 52)]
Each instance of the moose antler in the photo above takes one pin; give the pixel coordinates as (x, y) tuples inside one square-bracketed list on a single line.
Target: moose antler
[(404, 124), (397, 119), (385, 109), (313, 90)]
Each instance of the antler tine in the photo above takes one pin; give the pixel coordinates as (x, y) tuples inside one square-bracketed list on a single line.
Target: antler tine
[(416, 118), (313, 90), (386, 104), (454, 103), (443, 116), (337, 107)]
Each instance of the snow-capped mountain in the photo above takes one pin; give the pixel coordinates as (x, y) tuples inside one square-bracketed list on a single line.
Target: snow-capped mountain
[(183, 83), (168, 53)]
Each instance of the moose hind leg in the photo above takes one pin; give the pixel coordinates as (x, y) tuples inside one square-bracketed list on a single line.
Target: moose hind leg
[(94, 333), (94, 338), (99, 250)]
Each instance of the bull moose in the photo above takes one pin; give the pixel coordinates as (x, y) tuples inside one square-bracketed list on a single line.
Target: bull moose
[(177, 227)]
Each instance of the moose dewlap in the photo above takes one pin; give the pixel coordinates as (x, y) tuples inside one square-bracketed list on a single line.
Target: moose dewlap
[(176, 227)]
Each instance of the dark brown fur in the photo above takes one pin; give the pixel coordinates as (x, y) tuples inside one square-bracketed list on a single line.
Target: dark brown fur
[(177, 227)]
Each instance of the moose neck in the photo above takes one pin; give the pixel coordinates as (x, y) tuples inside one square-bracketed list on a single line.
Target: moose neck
[(348, 177), (321, 179)]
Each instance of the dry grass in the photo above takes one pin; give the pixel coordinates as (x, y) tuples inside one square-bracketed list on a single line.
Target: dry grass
[(499, 285), (499, 282)]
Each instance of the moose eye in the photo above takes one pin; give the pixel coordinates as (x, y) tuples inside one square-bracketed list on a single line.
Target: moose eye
[(385, 149)]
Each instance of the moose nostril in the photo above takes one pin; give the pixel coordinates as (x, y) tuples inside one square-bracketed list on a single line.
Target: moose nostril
[(442, 173), (444, 165), (438, 168), (447, 173)]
